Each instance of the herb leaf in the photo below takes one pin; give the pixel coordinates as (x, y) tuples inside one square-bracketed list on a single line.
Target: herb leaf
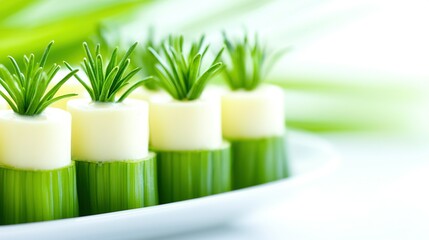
[(246, 64), (180, 73), (110, 38), (106, 82), (26, 88)]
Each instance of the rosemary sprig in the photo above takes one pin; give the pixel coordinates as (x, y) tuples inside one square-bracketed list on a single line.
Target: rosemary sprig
[(179, 73), (109, 39), (247, 64), (26, 91), (106, 81)]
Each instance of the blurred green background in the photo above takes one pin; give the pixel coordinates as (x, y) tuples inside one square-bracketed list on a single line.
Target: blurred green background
[(352, 66)]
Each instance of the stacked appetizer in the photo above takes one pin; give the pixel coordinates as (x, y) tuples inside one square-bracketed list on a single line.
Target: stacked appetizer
[(115, 170), (253, 116), (37, 175), (185, 127)]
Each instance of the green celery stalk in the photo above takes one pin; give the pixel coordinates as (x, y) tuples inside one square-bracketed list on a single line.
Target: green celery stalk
[(258, 161), (114, 186), (37, 195), (185, 175)]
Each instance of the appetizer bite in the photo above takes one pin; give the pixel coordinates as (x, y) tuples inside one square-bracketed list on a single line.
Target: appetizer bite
[(253, 115), (38, 178), (115, 170), (185, 127)]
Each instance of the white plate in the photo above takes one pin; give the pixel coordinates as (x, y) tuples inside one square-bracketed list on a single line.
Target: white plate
[(310, 158)]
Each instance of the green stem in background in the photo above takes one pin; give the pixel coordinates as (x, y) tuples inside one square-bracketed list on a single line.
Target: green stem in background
[(185, 175), (114, 186), (17, 38), (9, 8), (258, 161), (37, 195)]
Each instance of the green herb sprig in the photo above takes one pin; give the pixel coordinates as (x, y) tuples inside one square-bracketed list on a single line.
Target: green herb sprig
[(106, 81), (180, 73), (26, 88), (109, 39), (247, 64)]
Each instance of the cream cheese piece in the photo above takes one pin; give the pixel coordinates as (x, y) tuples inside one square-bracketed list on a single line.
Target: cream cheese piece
[(106, 132), (35, 142), (253, 114), (185, 125)]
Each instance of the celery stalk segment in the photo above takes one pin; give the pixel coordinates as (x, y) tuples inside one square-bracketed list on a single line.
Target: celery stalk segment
[(37, 195), (258, 161), (114, 186), (191, 174)]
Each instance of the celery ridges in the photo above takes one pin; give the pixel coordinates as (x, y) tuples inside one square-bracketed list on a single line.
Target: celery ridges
[(119, 185), (37, 195), (191, 174), (257, 161)]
